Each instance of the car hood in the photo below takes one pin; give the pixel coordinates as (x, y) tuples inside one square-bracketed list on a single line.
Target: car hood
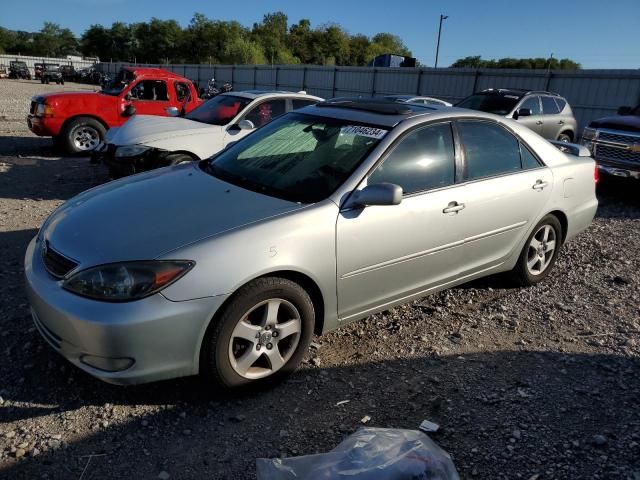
[(147, 215), (146, 129), (628, 123)]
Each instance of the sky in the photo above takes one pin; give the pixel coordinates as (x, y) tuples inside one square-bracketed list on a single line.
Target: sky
[(597, 34)]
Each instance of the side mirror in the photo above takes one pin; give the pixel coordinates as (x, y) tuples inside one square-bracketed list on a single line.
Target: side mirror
[(246, 125), (172, 111), (128, 97), (129, 111), (523, 112), (379, 194), (625, 110)]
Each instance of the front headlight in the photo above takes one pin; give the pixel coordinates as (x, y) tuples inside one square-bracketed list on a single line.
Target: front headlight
[(127, 281), (131, 150), (589, 134)]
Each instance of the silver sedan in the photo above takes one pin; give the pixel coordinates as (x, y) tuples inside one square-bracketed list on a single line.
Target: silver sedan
[(226, 268)]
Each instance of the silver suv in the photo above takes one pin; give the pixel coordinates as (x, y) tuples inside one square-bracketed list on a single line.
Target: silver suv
[(548, 114)]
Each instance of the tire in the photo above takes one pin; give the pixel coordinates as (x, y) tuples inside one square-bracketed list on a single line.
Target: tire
[(61, 82), (225, 354), (42, 81), (565, 137), (82, 134), (528, 273), (177, 158)]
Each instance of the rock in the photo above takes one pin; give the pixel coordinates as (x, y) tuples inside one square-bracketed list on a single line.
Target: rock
[(237, 418), (164, 475), (315, 361), (186, 432), (20, 452), (284, 433), (516, 434), (10, 434), (366, 419), (599, 440)]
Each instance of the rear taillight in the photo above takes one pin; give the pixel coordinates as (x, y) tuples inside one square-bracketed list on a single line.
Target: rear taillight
[(596, 174)]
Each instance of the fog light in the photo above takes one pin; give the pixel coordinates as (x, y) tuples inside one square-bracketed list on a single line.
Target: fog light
[(107, 364)]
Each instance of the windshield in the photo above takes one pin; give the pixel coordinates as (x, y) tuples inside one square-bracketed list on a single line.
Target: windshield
[(114, 87), (219, 110), (298, 157), (490, 102)]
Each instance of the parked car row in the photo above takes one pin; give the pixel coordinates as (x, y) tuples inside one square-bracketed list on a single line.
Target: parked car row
[(323, 215)]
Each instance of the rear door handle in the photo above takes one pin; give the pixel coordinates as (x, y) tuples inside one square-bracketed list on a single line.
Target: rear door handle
[(453, 207), (539, 122), (561, 122), (540, 185)]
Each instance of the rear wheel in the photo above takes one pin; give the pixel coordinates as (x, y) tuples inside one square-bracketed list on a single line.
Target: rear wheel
[(261, 336), (565, 137), (539, 253), (82, 135)]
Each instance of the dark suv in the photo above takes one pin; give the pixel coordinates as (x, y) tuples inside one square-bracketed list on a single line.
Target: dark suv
[(546, 113), (51, 72), (19, 70)]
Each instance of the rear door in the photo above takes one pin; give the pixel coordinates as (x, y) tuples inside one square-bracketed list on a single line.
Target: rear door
[(535, 121), (506, 189), (553, 122)]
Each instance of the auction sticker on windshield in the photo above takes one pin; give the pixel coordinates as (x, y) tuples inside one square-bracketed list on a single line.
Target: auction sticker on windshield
[(361, 131)]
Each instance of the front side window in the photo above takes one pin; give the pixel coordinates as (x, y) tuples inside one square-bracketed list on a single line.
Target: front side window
[(423, 160), (488, 149), (150, 90), (298, 157), (219, 110), (183, 92), (549, 106), (264, 112), (533, 104)]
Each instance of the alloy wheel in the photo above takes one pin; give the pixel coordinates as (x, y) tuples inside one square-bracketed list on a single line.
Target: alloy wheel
[(541, 249), (265, 338), (85, 138)]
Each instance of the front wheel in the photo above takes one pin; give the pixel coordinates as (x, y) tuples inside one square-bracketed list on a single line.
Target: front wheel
[(539, 253), (178, 158), (261, 335), (82, 135)]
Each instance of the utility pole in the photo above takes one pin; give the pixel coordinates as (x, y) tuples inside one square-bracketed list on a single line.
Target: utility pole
[(442, 17), (549, 63)]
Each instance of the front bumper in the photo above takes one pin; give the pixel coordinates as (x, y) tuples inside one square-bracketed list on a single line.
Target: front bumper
[(44, 126), (123, 166), (161, 337), (619, 170)]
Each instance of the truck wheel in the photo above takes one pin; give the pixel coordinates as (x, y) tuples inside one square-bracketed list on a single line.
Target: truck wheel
[(82, 134), (62, 82)]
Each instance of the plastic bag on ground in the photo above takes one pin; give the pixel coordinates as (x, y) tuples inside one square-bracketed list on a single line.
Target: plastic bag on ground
[(371, 454)]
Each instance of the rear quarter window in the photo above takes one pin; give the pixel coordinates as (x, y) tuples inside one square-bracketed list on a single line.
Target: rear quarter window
[(549, 106), (561, 102)]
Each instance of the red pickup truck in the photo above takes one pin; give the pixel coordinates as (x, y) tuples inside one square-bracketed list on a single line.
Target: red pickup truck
[(78, 121)]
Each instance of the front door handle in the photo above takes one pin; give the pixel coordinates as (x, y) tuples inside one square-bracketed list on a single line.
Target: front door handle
[(540, 185), (453, 207), (561, 122), (539, 122)]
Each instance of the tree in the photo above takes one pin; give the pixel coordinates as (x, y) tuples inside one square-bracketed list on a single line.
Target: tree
[(538, 63), (54, 41)]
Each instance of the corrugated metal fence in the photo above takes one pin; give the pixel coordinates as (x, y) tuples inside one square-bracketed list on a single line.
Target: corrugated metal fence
[(591, 93), (31, 61)]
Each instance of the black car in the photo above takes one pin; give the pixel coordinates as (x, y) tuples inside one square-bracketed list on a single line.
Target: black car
[(19, 70), (68, 72), (614, 142), (51, 73)]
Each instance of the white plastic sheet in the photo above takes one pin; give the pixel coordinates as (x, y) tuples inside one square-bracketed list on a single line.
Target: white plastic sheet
[(371, 454)]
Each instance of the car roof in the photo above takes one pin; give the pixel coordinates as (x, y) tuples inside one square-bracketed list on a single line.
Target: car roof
[(382, 112), (520, 92), (253, 94), (153, 72)]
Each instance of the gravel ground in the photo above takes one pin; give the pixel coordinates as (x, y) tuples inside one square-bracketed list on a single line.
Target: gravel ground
[(537, 383)]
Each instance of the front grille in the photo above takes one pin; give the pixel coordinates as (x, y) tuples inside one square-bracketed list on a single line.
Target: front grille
[(606, 152), (56, 264), (618, 137)]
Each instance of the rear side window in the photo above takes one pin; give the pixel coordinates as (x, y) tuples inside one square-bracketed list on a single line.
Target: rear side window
[(423, 160), (301, 103), (528, 160), (489, 149), (183, 93), (561, 103), (549, 106)]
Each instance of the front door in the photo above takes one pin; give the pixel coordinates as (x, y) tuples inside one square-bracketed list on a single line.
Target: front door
[(506, 189), (535, 121), (388, 253), (150, 97)]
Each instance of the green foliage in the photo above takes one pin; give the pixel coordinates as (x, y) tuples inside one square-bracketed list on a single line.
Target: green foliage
[(527, 63), (205, 40)]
